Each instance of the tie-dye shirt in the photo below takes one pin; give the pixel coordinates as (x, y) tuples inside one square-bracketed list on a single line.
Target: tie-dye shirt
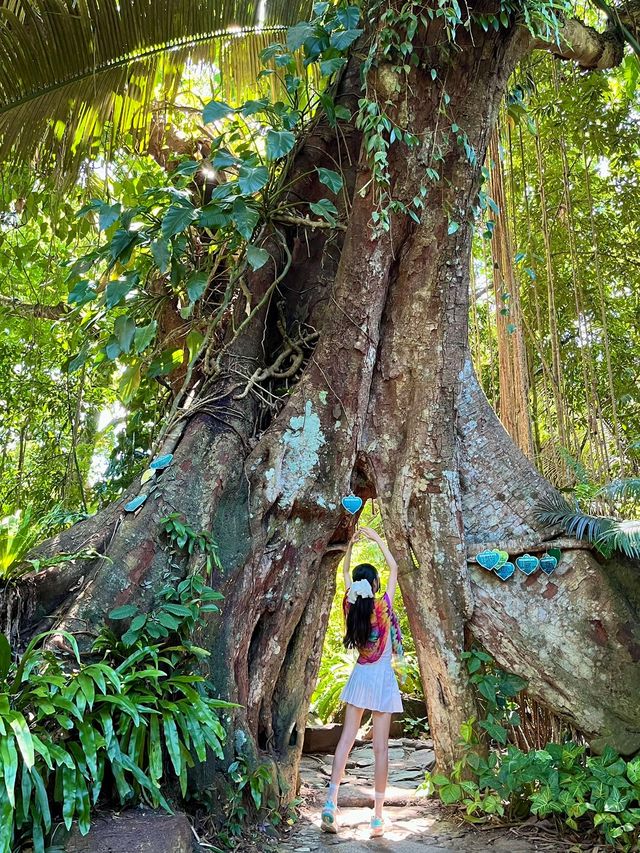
[(383, 622)]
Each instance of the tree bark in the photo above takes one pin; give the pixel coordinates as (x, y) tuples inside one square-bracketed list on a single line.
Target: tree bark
[(386, 403)]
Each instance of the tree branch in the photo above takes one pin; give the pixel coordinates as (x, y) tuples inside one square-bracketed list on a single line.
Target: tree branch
[(591, 49), (29, 311)]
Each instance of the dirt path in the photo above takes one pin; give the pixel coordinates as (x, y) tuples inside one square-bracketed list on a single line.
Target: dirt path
[(416, 825)]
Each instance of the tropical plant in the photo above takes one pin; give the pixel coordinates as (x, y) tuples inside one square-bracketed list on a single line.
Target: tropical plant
[(60, 85), (17, 535), (135, 715), (561, 782), (606, 532)]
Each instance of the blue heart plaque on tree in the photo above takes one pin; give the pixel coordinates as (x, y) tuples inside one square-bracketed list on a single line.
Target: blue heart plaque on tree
[(352, 503), (548, 564), (488, 559), (527, 563), (505, 571)]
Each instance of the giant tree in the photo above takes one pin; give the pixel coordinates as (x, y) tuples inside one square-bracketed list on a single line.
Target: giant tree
[(347, 314)]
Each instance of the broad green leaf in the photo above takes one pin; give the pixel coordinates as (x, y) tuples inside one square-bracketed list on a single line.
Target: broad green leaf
[(279, 143), (165, 363), (330, 179), (108, 214), (252, 178), (5, 657), (194, 342), (256, 257), (326, 210), (83, 292), (196, 285), (118, 289), (124, 329), (9, 756), (330, 66), (122, 244), (214, 216), (129, 382), (172, 742), (342, 40), (126, 611), (144, 336), (348, 16), (161, 254), (178, 218), (216, 110), (245, 218), (79, 360), (296, 36)]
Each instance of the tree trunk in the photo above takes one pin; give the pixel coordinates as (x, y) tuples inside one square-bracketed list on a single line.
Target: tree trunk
[(386, 403)]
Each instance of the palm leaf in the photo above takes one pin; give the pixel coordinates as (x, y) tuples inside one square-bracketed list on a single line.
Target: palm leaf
[(605, 532), (71, 70)]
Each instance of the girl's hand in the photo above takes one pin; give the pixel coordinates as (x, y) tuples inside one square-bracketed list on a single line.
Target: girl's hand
[(357, 534), (370, 534)]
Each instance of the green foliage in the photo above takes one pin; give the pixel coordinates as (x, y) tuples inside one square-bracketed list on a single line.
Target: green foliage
[(562, 782), (17, 536), (133, 717), (184, 538)]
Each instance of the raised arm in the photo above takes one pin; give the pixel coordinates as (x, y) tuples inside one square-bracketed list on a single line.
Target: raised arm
[(388, 556), (346, 562)]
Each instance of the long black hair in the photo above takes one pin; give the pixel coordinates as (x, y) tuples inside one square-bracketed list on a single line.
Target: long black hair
[(360, 612)]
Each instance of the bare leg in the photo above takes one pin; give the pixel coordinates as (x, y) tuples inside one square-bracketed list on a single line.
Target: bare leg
[(350, 728), (381, 725)]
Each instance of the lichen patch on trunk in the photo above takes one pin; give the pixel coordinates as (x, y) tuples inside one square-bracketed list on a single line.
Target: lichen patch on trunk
[(301, 443)]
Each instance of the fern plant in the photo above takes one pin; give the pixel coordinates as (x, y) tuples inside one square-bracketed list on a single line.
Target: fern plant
[(130, 719)]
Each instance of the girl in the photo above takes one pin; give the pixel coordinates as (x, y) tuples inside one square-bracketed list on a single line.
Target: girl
[(372, 629)]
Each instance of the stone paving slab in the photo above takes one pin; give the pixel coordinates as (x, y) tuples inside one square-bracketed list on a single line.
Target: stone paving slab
[(415, 824)]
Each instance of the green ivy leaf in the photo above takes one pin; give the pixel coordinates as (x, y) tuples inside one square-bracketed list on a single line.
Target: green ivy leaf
[(256, 257), (279, 143), (161, 254), (194, 342), (330, 179), (124, 612), (108, 214), (330, 66), (129, 382), (177, 218), (165, 363), (296, 36), (325, 209)]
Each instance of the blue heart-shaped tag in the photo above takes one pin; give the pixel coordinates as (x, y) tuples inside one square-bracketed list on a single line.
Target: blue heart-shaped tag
[(527, 563), (352, 503), (548, 564), (488, 559), (135, 504), (505, 571)]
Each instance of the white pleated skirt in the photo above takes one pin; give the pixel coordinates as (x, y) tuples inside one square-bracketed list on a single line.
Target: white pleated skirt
[(374, 686)]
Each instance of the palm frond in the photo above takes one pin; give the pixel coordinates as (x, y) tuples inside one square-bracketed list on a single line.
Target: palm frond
[(606, 533), (69, 69), (627, 487)]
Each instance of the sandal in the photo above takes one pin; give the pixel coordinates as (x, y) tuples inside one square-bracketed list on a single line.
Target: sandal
[(328, 822), (377, 827)]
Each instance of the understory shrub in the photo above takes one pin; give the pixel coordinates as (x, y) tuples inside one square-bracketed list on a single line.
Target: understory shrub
[(120, 723), (580, 791)]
